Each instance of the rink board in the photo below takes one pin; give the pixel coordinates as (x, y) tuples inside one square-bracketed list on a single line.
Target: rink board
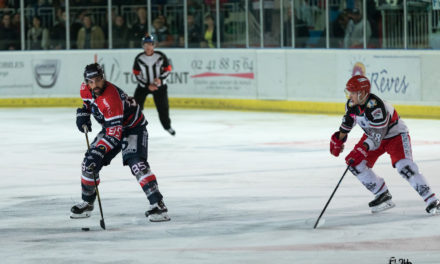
[(413, 111)]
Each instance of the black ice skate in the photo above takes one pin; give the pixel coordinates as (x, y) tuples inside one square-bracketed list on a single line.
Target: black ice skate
[(382, 202), (433, 208), (158, 212), (81, 210)]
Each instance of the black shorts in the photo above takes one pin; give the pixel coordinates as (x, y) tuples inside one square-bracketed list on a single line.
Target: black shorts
[(134, 145)]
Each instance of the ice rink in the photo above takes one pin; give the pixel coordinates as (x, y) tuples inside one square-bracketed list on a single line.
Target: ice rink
[(241, 187)]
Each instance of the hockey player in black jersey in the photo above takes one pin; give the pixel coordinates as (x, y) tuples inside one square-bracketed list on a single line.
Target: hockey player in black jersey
[(384, 132), (123, 129), (151, 69)]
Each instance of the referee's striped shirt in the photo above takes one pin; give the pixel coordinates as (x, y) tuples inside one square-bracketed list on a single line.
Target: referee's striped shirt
[(147, 68)]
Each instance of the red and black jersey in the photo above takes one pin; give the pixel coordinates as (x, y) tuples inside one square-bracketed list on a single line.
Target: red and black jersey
[(377, 118), (115, 111)]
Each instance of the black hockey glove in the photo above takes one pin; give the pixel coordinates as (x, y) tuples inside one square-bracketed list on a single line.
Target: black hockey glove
[(83, 118), (93, 159)]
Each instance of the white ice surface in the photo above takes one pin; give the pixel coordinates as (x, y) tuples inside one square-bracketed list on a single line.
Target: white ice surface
[(241, 187)]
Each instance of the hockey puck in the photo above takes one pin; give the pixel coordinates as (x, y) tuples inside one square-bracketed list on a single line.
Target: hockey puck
[(85, 229)]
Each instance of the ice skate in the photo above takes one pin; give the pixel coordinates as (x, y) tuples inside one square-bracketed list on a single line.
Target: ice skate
[(382, 202), (171, 131), (158, 212), (81, 210), (433, 208)]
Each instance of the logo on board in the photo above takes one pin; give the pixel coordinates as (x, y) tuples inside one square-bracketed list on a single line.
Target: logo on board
[(46, 72)]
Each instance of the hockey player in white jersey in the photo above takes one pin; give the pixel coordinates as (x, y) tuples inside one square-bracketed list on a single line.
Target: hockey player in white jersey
[(384, 132)]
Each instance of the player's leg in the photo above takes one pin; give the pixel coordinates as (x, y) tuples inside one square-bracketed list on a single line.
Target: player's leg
[(401, 157), (161, 101), (140, 95), (134, 153), (84, 208), (375, 184)]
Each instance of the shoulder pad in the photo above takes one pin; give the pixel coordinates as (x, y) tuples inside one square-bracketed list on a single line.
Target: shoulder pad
[(85, 92)]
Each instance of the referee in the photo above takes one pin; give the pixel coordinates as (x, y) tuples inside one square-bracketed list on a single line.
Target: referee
[(151, 69)]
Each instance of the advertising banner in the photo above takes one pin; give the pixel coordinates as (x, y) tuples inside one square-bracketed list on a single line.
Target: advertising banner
[(394, 78), (242, 74), (201, 73), (16, 76)]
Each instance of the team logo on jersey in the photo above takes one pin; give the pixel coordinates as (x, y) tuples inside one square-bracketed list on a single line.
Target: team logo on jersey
[(372, 103), (46, 72), (102, 148), (377, 114)]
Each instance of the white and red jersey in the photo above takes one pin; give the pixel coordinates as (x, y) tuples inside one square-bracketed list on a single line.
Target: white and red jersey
[(115, 111), (377, 118)]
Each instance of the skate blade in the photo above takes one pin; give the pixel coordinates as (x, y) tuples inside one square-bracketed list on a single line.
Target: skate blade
[(163, 217), (80, 216), (434, 211), (383, 207)]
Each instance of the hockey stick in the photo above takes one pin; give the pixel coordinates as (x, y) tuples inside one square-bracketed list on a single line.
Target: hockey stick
[(331, 196), (101, 223)]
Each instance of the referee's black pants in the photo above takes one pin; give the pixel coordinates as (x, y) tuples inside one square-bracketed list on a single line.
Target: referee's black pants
[(160, 98)]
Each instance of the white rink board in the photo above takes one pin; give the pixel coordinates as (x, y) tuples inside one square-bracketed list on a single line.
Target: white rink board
[(407, 77)]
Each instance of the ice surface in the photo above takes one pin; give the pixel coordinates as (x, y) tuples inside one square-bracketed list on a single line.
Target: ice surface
[(241, 187)]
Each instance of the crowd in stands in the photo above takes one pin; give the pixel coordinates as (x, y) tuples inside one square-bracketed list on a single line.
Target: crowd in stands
[(88, 32)]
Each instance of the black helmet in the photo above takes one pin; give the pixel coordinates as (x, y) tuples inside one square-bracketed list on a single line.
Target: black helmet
[(93, 70), (147, 39)]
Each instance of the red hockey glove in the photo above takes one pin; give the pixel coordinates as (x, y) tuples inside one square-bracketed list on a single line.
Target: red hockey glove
[(337, 145), (358, 154)]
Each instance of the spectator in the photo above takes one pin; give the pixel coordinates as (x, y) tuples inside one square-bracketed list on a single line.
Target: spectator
[(209, 39), (120, 33), (75, 27), (90, 36), (37, 36), (161, 33), (194, 33), (354, 34), (140, 28), (337, 30), (58, 32), (16, 22), (16, 26), (105, 26), (375, 18), (9, 39), (301, 31)]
